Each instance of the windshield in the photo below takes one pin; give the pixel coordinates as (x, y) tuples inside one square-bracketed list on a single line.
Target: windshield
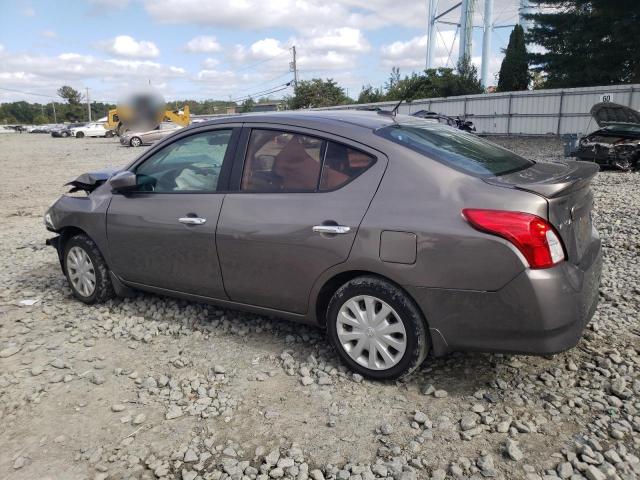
[(460, 150)]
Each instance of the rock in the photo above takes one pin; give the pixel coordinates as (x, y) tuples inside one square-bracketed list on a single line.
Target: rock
[(357, 377), (276, 473), (19, 462), (37, 370), (420, 417), (97, 379), (592, 473), (438, 474), (189, 474), (468, 421), (190, 456), (219, 369), (118, 407), (316, 474), (564, 469), (428, 390), (306, 381), (272, 458), (139, 419), (440, 393), (9, 351), (174, 412), (512, 450), (386, 429)]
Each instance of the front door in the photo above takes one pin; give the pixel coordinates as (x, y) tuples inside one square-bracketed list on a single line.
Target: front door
[(163, 233), (300, 202)]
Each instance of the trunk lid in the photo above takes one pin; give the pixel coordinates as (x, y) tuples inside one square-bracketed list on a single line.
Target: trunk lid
[(566, 187)]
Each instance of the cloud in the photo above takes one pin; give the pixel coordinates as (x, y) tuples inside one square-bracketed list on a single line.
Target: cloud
[(49, 34), (411, 54), (203, 44), (126, 46), (28, 12), (209, 63)]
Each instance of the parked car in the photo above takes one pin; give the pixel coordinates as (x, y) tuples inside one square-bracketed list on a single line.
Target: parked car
[(616, 144), (40, 129), (4, 129), (399, 236), (65, 130), (94, 129), (455, 122), (137, 139)]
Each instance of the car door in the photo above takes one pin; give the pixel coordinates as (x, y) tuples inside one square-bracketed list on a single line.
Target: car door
[(299, 202), (162, 234)]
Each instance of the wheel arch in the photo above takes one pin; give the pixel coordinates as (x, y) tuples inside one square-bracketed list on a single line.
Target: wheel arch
[(330, 286)]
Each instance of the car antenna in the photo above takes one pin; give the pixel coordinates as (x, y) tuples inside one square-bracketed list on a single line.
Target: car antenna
[(393, 112)]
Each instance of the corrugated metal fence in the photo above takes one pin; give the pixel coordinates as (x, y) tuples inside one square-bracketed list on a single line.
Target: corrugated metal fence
[(536, 112)]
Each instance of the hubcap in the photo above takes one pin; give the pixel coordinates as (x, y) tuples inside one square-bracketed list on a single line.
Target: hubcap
[(81, 271), (371, 332)]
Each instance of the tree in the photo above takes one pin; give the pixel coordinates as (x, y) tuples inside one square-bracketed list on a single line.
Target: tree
[(438, 82), (394, 79), (247, 105), (71, 95), (368, 94), (514, 71), (586, 42), (317, 93)]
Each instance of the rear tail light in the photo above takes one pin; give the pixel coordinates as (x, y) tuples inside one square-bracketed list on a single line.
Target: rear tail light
[(533, 236)]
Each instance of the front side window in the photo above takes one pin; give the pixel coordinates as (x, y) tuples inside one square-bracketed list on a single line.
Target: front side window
[(460, 150), (191, 164)]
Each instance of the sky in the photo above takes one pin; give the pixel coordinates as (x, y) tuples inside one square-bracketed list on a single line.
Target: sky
[(225, 50)]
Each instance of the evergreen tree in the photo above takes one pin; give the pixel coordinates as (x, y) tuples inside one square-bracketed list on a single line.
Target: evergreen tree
[(514, 71), (586, 42)]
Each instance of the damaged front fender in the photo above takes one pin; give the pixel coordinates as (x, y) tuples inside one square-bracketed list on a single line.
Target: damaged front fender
[(88, 182)]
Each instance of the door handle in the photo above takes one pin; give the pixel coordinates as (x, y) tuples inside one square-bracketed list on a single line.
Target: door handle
[(332, 229), (192, 220)]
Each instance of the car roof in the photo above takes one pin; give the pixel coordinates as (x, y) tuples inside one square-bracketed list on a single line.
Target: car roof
[(329, 120)]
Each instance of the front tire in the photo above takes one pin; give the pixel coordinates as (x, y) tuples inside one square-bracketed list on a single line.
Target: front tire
[(86, 270), (79, 134), (64, 134), (135, 142), (376, 329)]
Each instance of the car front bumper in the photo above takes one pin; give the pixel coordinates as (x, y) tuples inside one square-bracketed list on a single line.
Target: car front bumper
[(539, 312)]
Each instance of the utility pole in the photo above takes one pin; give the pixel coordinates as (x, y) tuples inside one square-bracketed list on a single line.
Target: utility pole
[(525, 8), (88, 104), (293, 67), (466, 29), (55, 118), (486, 42), (432, 7)]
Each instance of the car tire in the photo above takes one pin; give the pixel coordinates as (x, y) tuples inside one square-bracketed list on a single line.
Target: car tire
[(400, 337), (135, 142), (79, 134), (86, 270), (109, 134), (64, 134)]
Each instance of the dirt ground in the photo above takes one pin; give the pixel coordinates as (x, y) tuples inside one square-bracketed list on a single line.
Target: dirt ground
[(153, 387)]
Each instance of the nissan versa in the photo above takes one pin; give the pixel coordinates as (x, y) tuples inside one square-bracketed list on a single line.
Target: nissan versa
[(398, 235)]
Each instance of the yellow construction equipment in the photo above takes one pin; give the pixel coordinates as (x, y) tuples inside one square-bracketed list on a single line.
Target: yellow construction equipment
[(123, 119)]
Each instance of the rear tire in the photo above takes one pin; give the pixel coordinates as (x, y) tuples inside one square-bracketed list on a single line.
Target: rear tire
[(86, 270), (368, 313), (79, 134), (135, 141), (109, 134), (64, 134)]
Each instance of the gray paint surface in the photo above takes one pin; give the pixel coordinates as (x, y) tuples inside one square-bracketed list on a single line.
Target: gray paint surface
[(258, 251)]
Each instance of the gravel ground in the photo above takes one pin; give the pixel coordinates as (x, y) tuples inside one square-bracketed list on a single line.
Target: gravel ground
[(152, 387)]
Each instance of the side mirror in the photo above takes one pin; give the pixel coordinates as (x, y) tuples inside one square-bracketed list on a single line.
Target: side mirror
[(123, 181)]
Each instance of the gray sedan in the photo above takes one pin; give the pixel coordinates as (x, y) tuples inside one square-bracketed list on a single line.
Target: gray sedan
[(397, 236), (137, 139)]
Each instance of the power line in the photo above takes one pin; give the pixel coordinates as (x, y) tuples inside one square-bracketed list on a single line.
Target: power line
[(263, 83), (279, 88), (247, 67), (25, 93)]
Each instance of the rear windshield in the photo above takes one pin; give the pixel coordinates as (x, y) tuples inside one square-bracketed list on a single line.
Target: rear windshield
[(460, 150)]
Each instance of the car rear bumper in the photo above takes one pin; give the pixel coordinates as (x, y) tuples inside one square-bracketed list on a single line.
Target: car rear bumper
[(538, 312)]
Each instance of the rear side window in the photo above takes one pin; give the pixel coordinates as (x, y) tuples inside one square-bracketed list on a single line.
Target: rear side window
[(342, 164), (460, 150), (278, 161)]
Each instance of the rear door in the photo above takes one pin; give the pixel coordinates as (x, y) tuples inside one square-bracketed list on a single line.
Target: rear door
[(300, 200), (163, 233)]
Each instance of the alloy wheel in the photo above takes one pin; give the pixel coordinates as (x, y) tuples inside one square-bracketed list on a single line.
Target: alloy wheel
[(81, 271), (371, 332)]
